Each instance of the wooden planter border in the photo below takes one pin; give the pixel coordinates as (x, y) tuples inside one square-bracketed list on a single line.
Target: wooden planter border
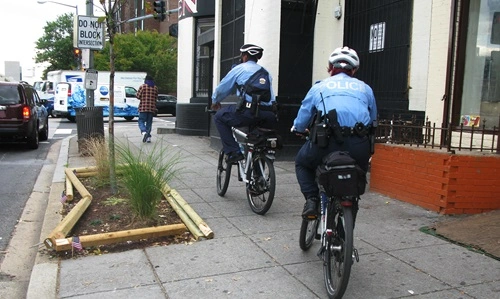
[(59, 241)]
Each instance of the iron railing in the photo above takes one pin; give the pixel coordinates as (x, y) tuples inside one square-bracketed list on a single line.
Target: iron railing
[(427, 135)]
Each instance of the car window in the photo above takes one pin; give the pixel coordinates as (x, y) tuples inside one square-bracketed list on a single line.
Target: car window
[(167, 98), (9, 95), (36, 97), (130, 92), (29, 96)]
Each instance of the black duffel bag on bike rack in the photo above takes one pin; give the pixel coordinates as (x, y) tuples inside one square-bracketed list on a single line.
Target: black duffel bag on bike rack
[(339, 175), (260, 137)]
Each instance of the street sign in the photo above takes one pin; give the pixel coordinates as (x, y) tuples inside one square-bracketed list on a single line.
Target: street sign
[(91, 79), (88, 33)]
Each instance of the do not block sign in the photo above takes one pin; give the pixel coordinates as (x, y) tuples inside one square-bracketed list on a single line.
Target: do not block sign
[(88, 33)]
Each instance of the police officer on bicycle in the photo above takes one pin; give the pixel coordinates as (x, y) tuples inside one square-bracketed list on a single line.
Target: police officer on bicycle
[(243, 114), (348, 106)]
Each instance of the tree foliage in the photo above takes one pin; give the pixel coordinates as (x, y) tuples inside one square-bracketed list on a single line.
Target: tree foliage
[(56, 45), (144, 51)]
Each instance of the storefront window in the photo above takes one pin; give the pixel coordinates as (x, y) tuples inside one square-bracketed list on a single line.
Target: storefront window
[(481, 87)]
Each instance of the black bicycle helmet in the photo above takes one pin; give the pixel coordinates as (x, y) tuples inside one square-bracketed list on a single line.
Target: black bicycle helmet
[(252, 50)]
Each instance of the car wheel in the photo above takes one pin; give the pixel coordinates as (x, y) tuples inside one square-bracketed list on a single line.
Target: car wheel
[(44, 134), (128, 118), (33, 140)]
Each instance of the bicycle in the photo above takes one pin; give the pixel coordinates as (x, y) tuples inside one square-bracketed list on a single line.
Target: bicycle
[(256, 170), (340, 187)]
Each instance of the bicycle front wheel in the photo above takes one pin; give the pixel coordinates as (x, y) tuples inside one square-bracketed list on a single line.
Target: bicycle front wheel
[(223, 174), (338, 257), (261, 185), (308, 232)]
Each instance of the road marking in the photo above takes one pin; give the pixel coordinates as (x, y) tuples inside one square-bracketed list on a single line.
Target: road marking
[(63, 131)]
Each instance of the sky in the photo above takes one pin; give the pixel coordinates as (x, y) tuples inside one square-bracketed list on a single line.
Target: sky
[(22, 23)]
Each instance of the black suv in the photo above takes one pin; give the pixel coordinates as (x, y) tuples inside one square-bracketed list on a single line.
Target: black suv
[(22, 114)]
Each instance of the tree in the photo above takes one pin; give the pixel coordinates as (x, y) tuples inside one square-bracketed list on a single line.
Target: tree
[(56, 45), (144, 51)]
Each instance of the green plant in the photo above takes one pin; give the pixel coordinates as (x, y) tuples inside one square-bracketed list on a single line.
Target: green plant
[(113, 201), (96, 222), (97, 148), (144, 174), (114, 217)]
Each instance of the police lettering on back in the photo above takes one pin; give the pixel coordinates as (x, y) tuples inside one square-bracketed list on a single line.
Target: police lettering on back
[(341, 84)]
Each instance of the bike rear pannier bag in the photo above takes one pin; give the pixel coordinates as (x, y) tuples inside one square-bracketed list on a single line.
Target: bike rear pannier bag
[(339, 175), (265, 137)]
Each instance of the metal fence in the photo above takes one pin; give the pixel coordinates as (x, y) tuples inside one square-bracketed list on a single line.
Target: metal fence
[(451, 138)]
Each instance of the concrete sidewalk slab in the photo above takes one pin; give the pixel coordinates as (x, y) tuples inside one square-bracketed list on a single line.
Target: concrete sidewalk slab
[(253, 256)]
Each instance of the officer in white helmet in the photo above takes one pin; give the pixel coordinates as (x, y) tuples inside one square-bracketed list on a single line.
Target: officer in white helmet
[(354, 104), (243, 114)]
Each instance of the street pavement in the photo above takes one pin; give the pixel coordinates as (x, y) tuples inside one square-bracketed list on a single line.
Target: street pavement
[(253, 256)]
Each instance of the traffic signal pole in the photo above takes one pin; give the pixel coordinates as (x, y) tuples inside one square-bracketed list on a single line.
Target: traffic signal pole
[(90, 92), (167, 12)]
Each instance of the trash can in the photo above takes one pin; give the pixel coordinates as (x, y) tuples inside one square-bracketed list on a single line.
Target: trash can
[(89, 125)]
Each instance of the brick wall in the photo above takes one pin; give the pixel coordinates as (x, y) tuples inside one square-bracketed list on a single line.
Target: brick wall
[(463, 183)]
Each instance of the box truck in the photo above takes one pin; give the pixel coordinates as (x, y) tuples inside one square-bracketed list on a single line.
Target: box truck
[(71, 96), (133, 79)]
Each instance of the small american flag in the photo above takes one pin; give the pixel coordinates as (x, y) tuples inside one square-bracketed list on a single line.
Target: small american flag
[(63, 197), (75, 243)]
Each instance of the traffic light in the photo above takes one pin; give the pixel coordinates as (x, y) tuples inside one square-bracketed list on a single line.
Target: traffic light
[(159, 7), (77, 53)]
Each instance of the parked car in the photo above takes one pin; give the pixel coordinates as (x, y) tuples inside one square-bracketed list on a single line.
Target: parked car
[(166, 104), (49, 105), (23, 116)]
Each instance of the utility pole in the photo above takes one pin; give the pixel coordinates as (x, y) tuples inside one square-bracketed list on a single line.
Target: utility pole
[(90, 92)]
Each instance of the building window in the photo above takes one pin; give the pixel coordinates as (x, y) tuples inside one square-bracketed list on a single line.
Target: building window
[(203, 73), (232, 33), (480, 102)]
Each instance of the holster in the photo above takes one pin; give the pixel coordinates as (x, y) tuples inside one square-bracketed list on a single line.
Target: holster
[(336, 130)]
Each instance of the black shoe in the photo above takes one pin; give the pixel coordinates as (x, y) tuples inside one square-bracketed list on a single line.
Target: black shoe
[(235, 157), (310, 208)]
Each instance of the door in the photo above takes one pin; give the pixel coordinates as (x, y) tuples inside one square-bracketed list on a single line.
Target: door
[(63, 91), (380, 32)]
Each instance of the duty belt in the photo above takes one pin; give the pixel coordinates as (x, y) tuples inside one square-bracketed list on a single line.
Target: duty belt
[(248, 105), (354, 131)]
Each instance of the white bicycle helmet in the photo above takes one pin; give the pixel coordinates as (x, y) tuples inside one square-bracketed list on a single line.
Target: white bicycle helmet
[(344, 58), (252, 50)]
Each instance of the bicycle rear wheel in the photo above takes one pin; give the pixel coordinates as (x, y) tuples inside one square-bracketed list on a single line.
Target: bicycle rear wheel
[(223, 174), (308, 231), (338, 257), (262, 185)]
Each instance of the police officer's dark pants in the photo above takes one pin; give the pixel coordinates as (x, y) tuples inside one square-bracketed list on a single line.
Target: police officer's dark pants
[(310, 156), (228, 117)]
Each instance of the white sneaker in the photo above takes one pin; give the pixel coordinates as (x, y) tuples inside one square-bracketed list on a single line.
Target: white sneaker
[(148, 140), (144, 136)]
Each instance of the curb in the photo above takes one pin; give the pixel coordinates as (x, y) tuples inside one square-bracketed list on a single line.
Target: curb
[(43, 280)]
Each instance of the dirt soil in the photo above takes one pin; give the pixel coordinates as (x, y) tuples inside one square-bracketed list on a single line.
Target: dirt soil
[(480, 232), (111, 213)]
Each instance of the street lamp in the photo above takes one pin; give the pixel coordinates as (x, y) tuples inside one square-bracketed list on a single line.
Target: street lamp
[(45, 1)]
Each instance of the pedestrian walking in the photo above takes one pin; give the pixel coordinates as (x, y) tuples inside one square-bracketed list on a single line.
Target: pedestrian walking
[(148, 95)]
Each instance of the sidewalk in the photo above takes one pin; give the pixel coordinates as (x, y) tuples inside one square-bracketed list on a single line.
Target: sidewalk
[(254, 256)]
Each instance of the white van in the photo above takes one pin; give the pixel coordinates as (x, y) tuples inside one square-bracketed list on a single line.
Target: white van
[(70, 96)]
